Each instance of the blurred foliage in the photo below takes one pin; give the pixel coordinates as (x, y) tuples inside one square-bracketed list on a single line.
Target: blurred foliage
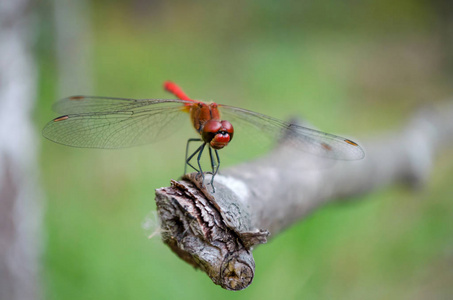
[(355, 67)]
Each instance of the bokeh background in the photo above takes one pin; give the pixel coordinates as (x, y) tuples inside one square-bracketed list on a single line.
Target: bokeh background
[(357, 68)]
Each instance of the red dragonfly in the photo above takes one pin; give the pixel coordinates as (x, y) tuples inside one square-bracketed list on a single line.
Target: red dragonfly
[(101, 122)]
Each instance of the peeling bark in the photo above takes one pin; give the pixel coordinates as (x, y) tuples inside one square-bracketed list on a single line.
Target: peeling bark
[(207, 236), (216, 232)]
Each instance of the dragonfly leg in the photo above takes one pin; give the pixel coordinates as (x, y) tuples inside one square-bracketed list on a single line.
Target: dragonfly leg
[(187, 161), (218, 161), (214, 165), (193, 154), (200, 151)]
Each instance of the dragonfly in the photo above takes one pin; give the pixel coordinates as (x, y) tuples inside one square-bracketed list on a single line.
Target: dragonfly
[(103, 122)]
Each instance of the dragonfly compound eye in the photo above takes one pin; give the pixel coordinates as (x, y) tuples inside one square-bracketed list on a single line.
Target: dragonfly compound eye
[(217, 134), (210, 129), (227, 127)]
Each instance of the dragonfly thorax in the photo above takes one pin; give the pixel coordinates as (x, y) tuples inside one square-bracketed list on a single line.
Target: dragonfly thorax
[(217, 133)]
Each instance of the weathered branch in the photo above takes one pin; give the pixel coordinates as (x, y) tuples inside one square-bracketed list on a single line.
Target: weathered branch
[(216, 232)]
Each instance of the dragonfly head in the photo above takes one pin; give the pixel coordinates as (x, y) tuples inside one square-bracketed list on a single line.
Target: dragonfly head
[(217, 133)]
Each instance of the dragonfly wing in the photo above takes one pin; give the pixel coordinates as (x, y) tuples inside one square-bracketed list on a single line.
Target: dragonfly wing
[(90, 104), (116, 123), (302, 138)]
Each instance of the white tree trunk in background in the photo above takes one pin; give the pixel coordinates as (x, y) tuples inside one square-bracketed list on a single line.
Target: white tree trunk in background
[(20, 197)]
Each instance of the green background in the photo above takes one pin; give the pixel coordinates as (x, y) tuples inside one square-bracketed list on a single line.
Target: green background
[(356, 68)]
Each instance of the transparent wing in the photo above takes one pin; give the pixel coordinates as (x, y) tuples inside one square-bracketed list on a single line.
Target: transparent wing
[(98, 122), (302, 138), (90, 104)]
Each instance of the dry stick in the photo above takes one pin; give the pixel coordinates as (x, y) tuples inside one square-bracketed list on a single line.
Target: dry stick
[(216, 232)]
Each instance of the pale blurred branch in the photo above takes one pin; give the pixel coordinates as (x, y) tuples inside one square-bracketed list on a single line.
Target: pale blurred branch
[(216, 232)]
